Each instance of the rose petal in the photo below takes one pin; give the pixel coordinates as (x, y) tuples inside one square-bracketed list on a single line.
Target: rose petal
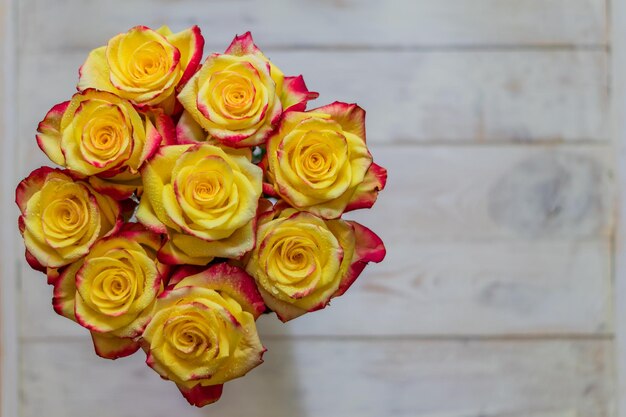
[(146, 216), (154, 139), (111, 347), (369, 248), (231, 280), (284, 311), (295, 94), (366, 193), (188, 130), (33, 262), (49, 135), (201, 395), (31, 184), (64, 291), (165, 126), (94, 73), (170, 254), (242, 45), (351, 117), (190, 44), (118, 191), (181, 272)]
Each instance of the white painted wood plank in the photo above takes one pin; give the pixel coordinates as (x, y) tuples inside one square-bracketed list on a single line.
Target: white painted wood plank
[(456, 288), (466, 96), (9, 322), (410, 97), (618, 24), (328, 378), (344, 23), (500, 192)]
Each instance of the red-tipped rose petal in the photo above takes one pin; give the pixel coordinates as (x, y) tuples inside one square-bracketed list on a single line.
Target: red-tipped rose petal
[(169, 254), (138, 233), (33, 262), (196, 46), (201, 395), (268, 189), (183, 271), (167, 129), (351, 117), (52, 274), (49, 135), (154, 139), (231, 280), (295, 94), (284, 311), (146, 216), (30, 185), (64, 292), (367, 192), (111, 347), (242, 45), (188, 130), (369, 248), (116, 191)]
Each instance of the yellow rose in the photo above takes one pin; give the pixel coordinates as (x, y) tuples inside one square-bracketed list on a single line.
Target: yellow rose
[(318, 161), (238, 97), (204, 198), (61, 217), (143, 65), (203, 332), (301, 261), (113, 289), (98, 133)]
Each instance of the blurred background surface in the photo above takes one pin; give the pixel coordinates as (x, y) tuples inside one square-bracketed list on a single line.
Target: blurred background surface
[(493, 119)]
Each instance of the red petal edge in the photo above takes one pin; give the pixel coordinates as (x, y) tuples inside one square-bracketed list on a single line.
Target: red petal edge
[(202, 395), (296, 87), (351, 117), (107, 352), (194, 62), (369, 248), (242, 45), (30, 185), (366, 193), (230, 279)]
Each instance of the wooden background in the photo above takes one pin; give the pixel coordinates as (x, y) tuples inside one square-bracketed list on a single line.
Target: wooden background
[(494, 120)]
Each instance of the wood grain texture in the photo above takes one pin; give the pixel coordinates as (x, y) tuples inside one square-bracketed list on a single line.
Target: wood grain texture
[(318, 377), (500, 192), (618, 24), (496, 296), (468, 289), (411, 97), (334, 23), (9, 322)]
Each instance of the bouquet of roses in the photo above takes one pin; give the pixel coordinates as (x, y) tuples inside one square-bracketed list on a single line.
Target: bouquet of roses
[(192, 198)]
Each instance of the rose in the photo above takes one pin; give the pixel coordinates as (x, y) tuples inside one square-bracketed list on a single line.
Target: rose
[(98, 133), (318, 161), (204, 198), (203, 332), (301, 261), (238, 97), (61, 217), (113, 289), (143, 65)]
